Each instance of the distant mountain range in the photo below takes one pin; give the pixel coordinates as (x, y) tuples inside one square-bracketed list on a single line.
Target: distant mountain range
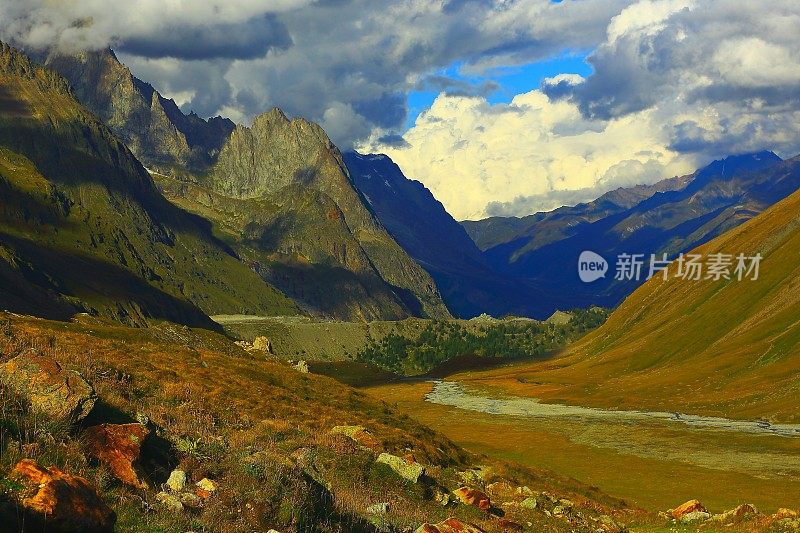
[(726, 347), (670, 217), (562, 222)]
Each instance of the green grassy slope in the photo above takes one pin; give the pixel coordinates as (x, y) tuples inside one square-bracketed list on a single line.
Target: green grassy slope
[(82, 227)]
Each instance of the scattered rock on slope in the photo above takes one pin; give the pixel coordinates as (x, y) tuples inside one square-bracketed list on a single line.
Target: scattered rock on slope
[(473, 497), (358, 434), (58, 393), (408, 470), (451, 525), (177, 480), (65, 503), (738, 513), (118, 446)]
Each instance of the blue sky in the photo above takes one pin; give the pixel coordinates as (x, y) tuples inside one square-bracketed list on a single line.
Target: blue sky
[(512, 80)]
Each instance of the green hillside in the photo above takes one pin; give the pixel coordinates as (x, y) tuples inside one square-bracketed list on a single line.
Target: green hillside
[(83, 228), (296, 217)]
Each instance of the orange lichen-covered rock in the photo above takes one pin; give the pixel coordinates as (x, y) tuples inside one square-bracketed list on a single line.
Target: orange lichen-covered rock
[(58, 393), (118, 446), (473, 497), (692, 506), (62, 501), (451, 525)]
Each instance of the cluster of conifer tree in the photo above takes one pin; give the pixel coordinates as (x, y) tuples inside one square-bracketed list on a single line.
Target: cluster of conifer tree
[(443, 340)]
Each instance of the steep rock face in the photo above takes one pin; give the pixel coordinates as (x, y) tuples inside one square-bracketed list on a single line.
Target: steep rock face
[(317, 227), (82, 227), (153, 127), (423, 227), (315, 238)]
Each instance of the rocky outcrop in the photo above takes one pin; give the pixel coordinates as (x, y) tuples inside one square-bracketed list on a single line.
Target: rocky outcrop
[(739, 513), (57, 393), (691, 506), (262, 344), (153, 127), (358, 434), (63, 502), (118, 447), (408, 470), (473, 497)]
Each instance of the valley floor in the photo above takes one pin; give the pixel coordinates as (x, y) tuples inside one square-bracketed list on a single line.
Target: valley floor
[(653, 463)]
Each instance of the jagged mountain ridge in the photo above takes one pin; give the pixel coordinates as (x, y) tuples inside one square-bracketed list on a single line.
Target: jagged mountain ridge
[(562, 222), (281, 159), (153, 127), (316, 240), (303, 226), (83, 228)]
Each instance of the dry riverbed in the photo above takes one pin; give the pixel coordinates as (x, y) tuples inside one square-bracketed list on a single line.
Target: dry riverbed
[(652, 459)]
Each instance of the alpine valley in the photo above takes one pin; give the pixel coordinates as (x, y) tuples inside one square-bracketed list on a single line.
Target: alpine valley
[(219, 327)]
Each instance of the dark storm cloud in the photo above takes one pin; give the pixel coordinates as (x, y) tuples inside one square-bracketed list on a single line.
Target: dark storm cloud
[(394, 141), (734, 65), (243, 40), (386, 111), (345, 64)]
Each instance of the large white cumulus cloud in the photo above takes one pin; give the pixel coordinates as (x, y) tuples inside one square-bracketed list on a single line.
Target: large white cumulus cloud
[(676, 83), (530, 155)]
